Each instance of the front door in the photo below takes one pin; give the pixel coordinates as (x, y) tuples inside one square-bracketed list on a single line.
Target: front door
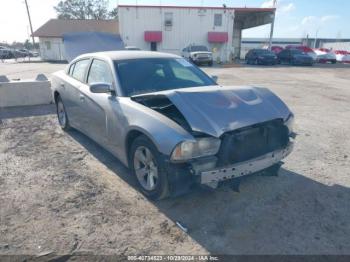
[(95, 105)]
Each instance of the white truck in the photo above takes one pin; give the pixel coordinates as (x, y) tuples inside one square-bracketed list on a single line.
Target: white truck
[(198, 54)]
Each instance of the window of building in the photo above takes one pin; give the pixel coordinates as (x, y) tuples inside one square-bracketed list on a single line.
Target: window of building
[(48, 45), (99, 72), (218, 20), (168, 19), (80, 69)]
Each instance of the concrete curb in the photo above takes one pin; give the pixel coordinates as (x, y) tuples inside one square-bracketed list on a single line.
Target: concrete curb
[(25, 93)]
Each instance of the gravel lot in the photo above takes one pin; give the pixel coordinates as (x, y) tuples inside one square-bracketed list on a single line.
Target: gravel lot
[(62, 193)]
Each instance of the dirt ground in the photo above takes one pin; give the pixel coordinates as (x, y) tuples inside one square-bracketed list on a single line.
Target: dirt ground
[(62, 193)]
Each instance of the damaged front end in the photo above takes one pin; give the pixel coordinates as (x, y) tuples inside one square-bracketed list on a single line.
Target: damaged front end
[(219, 153)]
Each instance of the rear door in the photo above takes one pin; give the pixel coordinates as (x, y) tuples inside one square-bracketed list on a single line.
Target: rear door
[(71, 91)]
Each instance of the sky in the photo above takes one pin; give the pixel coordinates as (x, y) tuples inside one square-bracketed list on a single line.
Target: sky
[(295, 18)]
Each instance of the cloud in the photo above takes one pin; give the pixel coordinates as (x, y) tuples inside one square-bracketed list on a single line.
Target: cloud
[(267, 4), (328, 18), (282, 6), (309, 20), (314, 20), (287, 8)]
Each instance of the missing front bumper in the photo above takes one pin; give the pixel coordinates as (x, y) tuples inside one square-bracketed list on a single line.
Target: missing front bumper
[(245, 168)]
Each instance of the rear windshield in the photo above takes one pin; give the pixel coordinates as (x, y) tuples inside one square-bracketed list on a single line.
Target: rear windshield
[(140, 76)]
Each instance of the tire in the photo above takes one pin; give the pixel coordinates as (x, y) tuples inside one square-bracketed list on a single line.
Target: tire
[(148, 167), (210, 63), (62, 114)]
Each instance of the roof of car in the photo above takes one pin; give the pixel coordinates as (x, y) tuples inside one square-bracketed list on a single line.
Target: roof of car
[(124, 55)]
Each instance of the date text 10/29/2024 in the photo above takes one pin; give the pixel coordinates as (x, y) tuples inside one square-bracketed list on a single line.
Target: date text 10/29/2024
[(173, 258)]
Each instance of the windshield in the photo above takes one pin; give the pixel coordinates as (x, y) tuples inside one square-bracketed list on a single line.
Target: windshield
[(140, 76), (199, 48), (263, 51), (296, 52)]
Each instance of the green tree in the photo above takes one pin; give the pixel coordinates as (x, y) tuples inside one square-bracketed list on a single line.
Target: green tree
[(114, 13), (82, 9)]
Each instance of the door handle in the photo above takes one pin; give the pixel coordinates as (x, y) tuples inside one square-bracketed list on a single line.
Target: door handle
[(82, 98)]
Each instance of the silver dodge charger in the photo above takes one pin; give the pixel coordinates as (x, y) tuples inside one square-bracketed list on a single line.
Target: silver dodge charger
[(169, 122)]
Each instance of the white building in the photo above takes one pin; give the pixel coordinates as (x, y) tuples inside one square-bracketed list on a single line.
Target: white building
[(172, 28), (51, 34)]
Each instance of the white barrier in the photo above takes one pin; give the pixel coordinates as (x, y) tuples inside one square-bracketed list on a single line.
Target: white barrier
[(25, 93)]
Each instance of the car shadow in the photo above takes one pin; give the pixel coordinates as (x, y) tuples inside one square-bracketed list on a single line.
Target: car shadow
[(287, 214), (27, 111)]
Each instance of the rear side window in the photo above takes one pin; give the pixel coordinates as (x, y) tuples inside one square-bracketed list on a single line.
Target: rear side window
[(99, 72), (71, 68), (80, 69)]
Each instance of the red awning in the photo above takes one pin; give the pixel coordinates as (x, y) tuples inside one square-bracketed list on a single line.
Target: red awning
[(217, 37), (153, 36)]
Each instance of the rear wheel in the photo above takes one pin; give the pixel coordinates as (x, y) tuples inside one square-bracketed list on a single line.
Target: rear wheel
[(62, 114), (148, 167)]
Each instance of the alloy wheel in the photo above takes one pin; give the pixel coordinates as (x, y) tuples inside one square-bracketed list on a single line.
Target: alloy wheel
[(146, 169), (61, 114)]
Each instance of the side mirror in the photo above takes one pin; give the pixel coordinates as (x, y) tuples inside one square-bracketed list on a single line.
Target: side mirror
[(215, 78), (100, 88)]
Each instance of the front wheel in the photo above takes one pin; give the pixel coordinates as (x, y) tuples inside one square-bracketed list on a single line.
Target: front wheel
[(62, 114), (148, 167)]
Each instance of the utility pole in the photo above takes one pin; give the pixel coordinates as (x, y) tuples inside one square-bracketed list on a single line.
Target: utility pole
[(315, 44), (30, 23), (272, 24)]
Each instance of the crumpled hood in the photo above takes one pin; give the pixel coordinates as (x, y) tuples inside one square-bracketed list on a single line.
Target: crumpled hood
[(215, 110)]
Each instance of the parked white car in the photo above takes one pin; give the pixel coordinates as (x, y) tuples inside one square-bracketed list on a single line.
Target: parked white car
[(325, 56), (342, 56), (198, 54)]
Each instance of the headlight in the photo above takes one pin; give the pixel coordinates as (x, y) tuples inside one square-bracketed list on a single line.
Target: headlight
[(290, 123), (186, 150)]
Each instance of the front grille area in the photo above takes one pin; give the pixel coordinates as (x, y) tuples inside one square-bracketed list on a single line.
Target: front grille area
[(251, 142)]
